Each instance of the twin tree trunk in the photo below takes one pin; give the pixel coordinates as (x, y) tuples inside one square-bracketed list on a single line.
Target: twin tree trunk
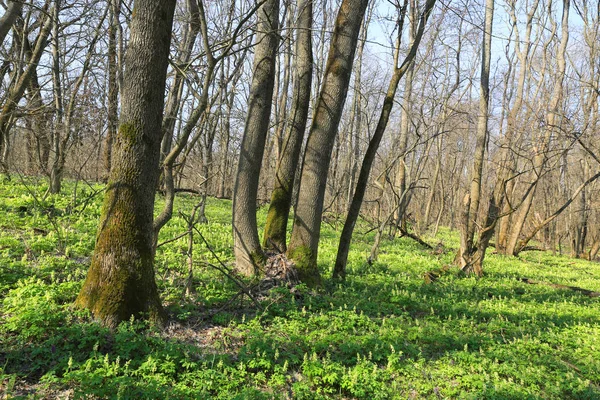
[(249, 255), (304, 241), (120, 282), (281, 199)]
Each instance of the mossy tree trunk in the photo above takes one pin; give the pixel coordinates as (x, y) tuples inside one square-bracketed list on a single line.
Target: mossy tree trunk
[(304, 242), (248, 252), (281, 199), (120, 282)]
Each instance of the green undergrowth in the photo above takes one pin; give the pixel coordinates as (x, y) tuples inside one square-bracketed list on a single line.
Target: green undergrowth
[(382, 334)]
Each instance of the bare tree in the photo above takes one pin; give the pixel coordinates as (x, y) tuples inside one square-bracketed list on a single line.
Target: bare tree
[(281, 199), (9, 17), (304, 242), (248, 252), (473, 197), (365, 170), (120, 282)]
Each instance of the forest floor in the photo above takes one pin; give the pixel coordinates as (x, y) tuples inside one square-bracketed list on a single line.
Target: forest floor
[(384, 333)]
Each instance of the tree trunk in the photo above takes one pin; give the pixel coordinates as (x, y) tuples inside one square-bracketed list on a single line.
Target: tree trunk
[(541, 150), (507, 158), (365, 170), (13, 10), (66, 109), (472, 199), (249, 255), (15, 93), (401, 174), (304, 242), (281, 199), (120, 282), (113, 86)]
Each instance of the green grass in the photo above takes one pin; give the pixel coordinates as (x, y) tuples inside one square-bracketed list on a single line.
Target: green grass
[(382, 334)]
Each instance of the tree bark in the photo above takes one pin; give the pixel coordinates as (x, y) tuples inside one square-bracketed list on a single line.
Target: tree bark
[(304, 241), (473, 198), (365, 170), (120, 282), (249, 255), (113, 85), (281, 198), (13, 10)]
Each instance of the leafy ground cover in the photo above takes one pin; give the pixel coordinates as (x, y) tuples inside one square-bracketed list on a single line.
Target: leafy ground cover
[(383, 334)]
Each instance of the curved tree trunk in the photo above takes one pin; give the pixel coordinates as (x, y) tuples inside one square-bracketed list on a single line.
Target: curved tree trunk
[(120, 282), (304, 242), (365, 170), (281, 199), (13, 10), (248, 253)]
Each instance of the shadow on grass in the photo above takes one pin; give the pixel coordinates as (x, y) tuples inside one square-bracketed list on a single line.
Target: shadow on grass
[(460, 338)]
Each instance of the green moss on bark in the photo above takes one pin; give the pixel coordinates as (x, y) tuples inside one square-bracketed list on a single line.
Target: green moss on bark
[(258, 260), (128, 133), (306, 264), (277, 218), (120, 282)]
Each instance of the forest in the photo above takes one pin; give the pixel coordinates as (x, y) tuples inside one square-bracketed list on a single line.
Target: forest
[(310, 199)]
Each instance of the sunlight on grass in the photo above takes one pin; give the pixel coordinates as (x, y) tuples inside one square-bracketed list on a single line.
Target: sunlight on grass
[(383, 333)]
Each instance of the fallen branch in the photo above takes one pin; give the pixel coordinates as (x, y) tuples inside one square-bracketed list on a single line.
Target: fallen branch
[(585, 292), (181, 190), (404, 232)]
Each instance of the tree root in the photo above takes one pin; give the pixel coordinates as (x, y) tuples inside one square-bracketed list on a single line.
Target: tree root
[(404, 232)]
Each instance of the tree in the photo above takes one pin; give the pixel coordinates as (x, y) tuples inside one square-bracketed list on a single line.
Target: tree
[(248, 252), (113, 86), (473, 197), (9, 17), (120, 282), (541, 147), (365, 170), (66, 105), (20, 82), (304, 242), (281, 199)]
